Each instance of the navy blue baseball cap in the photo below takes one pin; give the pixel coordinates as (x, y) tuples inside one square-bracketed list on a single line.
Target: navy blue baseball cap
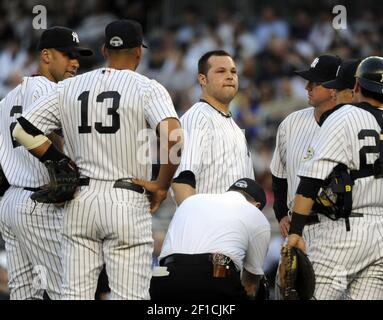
[(345, 78), (323, 68), (62, 39), (252, 188), (123, 34)]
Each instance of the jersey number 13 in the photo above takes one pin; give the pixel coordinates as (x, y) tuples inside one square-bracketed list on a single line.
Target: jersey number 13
[(100, 128)]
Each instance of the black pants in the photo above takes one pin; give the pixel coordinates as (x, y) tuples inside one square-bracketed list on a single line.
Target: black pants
[(192, 280)]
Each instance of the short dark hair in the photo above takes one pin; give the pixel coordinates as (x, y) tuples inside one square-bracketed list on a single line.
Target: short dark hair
[(369, 94), (203, 66)]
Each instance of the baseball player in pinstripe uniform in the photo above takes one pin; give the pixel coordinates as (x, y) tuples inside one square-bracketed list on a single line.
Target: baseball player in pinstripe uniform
[(216, 153), (32, 231), (102, 113), (347, 157), (295, 134)]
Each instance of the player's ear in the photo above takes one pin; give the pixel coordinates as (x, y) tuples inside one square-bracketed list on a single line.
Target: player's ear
[(45, 56), (202, 79), (333, 94), (138, 53), (356, 86), (104, 52)]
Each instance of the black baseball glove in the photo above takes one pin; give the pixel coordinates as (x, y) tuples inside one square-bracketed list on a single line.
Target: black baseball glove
[(295, 277), (64, 180)]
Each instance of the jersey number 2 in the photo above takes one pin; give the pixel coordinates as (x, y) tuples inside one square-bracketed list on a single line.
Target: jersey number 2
[(100, 128), (367, 149)]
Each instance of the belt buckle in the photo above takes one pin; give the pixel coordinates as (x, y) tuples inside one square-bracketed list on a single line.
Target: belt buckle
[(220, 265)]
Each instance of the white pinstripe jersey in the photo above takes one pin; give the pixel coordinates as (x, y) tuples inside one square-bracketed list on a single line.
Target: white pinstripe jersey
[(215, 149), (20, 167), (349, 135), (102, 114), (294, 137)]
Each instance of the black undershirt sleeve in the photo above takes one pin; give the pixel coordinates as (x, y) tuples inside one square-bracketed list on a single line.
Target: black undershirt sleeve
[(279, 186), (309, 187)]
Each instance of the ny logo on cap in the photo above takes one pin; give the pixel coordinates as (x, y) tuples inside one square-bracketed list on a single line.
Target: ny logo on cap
[(337, 71), (314, 63), (116, 42), (241, 184), (75, 37)]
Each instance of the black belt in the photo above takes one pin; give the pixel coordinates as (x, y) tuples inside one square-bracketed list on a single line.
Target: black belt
[(313, 217), (190, 259), (32, 189), (120, 184)]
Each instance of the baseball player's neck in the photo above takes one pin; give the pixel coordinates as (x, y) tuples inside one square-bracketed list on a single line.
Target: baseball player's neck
[(223, 107), (43, 71), (123, 59), (320, 109), (122, 64), (375, 103)]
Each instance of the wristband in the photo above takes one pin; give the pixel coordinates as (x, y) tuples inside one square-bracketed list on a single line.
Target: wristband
[(52, 154), (297, 223)]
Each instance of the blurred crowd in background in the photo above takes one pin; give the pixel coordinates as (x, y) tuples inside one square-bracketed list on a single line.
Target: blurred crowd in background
[(268, 40)]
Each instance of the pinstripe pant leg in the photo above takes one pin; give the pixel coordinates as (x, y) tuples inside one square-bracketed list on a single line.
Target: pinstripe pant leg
[(128, 252), (38, 228), (329, 285), (41, 236), (20, 268), (368, 284), (338, 255), (82, 251)]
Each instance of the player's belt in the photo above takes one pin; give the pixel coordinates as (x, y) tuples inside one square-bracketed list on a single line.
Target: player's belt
[(32, 189), (313, 217), (193, 259), (120, 184), (125, 184)]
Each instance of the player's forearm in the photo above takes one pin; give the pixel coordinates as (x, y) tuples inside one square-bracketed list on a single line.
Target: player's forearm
[(171, 142), (57, 141), (302, 205), (166, 174), (306, 194), (304, 200)]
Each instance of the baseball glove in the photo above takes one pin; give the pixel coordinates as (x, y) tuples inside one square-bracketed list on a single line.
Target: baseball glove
[(295, 277), (64, 180)]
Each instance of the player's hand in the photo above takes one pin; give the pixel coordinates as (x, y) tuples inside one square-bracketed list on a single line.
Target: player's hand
[(284, 226), (294, 240), (157, 193)]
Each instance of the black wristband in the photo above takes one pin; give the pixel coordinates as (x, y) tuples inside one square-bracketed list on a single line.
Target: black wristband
[(53, 154), (297, 223)]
